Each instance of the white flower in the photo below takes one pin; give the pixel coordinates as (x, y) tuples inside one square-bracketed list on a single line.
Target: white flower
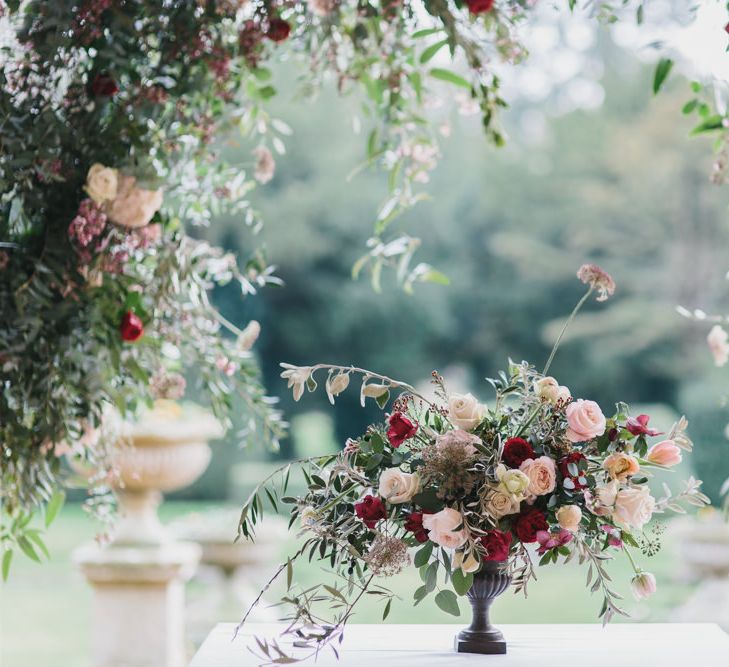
[(643, 585), (512, 482), (717, 340), (336, 385), (397, 486), (101, 183), (551, 391), (265, 164), (465, 411), (297, 377), (499, 503)]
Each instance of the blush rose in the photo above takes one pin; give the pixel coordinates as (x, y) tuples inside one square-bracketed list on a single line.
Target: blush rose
[(585, 421), (444, 528)]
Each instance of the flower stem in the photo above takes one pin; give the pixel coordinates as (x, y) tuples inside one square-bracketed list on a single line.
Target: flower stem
[(636, 569), (572, 316)]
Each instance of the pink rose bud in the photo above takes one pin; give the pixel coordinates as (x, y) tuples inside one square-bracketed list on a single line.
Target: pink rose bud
[(664, 453), (643, 585)]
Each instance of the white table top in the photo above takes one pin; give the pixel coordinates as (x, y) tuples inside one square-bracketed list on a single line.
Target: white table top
[(618, 645)]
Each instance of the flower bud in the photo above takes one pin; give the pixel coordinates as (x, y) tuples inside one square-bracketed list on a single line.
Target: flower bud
[(643, 585)]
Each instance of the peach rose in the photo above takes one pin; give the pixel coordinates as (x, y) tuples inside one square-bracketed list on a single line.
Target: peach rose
[(665, 453), (569, 517), (542, 475), (397, 486), (634, 507), (443, 527), (585, 421), (602, 501), (465, 411), (133, 207), (621, 465), (500, 503)]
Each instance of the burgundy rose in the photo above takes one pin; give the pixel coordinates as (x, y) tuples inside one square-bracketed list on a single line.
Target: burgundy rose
[(564, 469), (104, 85), (131, 327), (726, 28), (414, 523), (278, 30), (639, 426), (497, 545), (370, 509), (401, 429), (479, 6), (529, 523), (516, 451)]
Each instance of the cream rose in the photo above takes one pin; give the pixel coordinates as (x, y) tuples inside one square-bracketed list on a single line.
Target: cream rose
[(101, 183), (542, 475), (468, 564), (514, 482), (585, 421), (634, 507), (621, 465), (499, 504), (133, 207), (551, 391), (397, 486), (603, 501), (569, 517), (443, 527), (465, 411)]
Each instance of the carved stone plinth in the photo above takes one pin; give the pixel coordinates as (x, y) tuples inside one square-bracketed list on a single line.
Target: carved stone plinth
[(138, 609)]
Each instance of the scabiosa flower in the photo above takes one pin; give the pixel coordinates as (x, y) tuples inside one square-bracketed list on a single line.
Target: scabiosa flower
[(104, 85), (597, 278), (387, 556)]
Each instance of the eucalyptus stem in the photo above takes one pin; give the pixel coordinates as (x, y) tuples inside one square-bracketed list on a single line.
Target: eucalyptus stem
[(572, 316)]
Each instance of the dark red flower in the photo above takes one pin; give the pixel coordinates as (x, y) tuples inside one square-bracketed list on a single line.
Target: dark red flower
[(726, 28), (639, 426), (414, 523), (278, 30), (573, 457), (104, 85), (479, 6), (497, 545), (401, 429), (370, 509), (131, 327), (529, 523), (516, 451)]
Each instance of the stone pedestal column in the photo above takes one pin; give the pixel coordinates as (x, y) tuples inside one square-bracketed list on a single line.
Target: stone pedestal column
[(138, 607), (139, 578)]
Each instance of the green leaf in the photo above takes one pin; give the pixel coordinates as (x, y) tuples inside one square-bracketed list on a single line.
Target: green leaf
[(425, 33), (448, 602), (386, 613), (420, 594), (27, 548), (54, 506), (7, 559), (450, 77), (715, 122), (423, 555), (431, 576), (382, 400), (432, 50), (662, 71), (689, 106), (461, 581), (35, 537)]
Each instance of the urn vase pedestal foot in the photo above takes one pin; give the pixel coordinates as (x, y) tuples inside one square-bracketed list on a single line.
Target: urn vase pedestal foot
[(481, 636)]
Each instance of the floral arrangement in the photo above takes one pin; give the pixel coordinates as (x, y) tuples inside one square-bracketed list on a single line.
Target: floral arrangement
[(535, 473)]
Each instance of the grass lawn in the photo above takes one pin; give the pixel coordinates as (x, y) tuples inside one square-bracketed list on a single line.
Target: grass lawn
[(45, 609)]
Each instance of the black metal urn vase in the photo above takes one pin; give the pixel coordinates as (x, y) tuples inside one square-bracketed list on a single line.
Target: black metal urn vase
[(482, 637)]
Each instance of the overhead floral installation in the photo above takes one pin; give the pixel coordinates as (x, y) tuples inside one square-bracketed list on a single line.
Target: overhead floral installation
[(109, 115), (470, 484)]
